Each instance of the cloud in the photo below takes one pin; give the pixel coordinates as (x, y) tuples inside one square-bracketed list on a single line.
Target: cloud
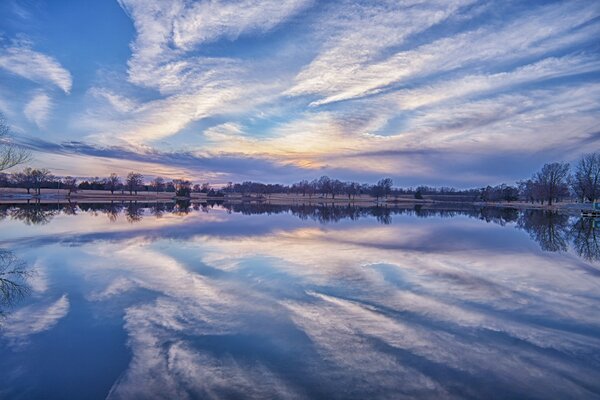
[(355, 89), (439, 319), (208, 21), (33, 319), (38, 67), (38, 108), (96, 160), (342, 73), (194, 87), (119, 103)]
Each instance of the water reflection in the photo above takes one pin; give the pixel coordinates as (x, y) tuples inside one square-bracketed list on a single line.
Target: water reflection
[(13, 280), (304, 302), (549, 229), (552, 230), (585, 234)]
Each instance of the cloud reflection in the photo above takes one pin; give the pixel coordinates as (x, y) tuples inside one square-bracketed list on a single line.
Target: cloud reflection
[(279, 307)]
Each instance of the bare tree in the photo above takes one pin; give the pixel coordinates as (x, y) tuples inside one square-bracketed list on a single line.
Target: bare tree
[(183, 187), (41, 176), (133, 182), (158, 184), (552, 181), (324, 185), (10, 154), (70, 183), (112, 183), (24, 179), (383, 188), (586, 181)]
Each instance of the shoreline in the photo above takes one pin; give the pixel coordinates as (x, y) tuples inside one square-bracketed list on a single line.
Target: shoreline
[(56, 197)]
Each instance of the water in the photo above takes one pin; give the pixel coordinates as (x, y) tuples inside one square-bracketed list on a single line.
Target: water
[(242, 301)]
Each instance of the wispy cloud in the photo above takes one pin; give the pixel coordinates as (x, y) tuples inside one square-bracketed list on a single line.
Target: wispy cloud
[(343, 73), (27, 63), (342, 87), (34, 319), (38, 109)]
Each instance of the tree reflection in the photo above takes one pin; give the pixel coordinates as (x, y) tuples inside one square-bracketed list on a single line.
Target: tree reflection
[(112, 210), (158, 210), (585, 235), (34, 213), (13, 279), (134, 212), (182, 207), (552, 230), (549, 228)]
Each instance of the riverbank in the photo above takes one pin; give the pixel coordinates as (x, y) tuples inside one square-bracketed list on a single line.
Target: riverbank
[(20, 196)]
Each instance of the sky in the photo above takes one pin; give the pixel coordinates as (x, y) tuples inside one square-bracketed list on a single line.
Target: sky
[(452, 92)]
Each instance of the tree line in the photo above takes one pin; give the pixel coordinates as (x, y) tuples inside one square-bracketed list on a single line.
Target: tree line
[(552, 183)]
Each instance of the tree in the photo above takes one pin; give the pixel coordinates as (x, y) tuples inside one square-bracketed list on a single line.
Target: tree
[(337, 187), (386, 186), (351, 189), (586, 180), (324, 185), (31, 178), (133, 182), (158, 184), (382, 188), (527, 190), (552, 181), (70, 183), (24, 179), (183, 187), (10, 154), (40, 176), (112, 183)]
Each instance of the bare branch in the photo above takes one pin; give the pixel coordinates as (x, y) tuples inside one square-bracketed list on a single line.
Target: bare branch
[(10, 154)]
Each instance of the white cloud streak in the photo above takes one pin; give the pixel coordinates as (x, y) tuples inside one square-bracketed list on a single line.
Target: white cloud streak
[(343, 73), (38, 109), (35, 66), (34, 319)]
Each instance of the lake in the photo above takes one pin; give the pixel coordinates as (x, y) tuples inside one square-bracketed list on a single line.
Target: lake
[(124, 301)]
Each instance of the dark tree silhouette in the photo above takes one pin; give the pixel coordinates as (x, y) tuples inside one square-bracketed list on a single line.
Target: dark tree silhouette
[(585, 235), (550, 229), (552, 181), (134, 212), (586, 180), (13, 279), (11, 155)]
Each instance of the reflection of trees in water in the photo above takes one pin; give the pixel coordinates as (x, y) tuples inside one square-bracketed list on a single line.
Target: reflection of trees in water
[(134, 212), (585, 234), (70, 209), (183, 207), (550, 229), (113, 210), (325, 213), (3, 213), (158, 210), (13, 279), (321, 213), (33, 213)]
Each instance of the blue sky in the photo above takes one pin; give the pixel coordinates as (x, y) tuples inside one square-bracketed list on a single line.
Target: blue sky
[(461, 92)]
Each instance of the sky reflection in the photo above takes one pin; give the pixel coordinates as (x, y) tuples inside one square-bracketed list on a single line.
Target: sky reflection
[(225, 304)]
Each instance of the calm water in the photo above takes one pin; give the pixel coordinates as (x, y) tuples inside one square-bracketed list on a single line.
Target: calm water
[(139, 301)]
